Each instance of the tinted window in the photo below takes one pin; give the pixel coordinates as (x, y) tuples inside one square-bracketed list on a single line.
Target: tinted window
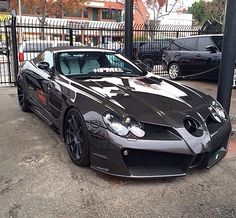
[(218, 41), (190, 44), (176, 45), (203, 43), (149, 46)]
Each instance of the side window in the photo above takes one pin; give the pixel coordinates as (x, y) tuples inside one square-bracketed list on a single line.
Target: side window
[(176, 45), (203, 42), (218, 41), (146, 47), (190, 44), (47, 56)]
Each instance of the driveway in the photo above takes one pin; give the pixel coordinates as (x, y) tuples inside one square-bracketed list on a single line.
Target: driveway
[(37, 179)]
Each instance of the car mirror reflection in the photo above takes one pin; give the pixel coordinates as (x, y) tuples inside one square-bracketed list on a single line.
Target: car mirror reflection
[(211, 48)]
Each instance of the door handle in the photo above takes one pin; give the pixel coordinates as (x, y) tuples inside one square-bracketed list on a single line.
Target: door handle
[(198, 55)]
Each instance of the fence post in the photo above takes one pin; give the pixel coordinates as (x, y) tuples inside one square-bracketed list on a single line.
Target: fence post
[(14, 47), (7, 50), (129, 28), (71, 36), (177, 34)]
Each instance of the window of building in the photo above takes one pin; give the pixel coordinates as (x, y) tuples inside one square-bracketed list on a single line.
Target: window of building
[(106, 14), (79, 13), (111, 14), (85, 12)]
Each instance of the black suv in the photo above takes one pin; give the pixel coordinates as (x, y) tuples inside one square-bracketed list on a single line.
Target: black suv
[(195, 56), (150, 52)]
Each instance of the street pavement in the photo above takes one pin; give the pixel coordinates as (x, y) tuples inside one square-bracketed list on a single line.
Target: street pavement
[(37, 178)]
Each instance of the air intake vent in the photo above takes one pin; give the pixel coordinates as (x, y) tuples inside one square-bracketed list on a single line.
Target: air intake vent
[(193, 127)]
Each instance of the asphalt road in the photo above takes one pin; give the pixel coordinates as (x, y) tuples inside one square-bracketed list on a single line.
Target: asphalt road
[(37, 179)]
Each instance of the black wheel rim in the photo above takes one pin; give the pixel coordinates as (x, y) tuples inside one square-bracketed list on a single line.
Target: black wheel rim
[(74, 136), (21, 95)]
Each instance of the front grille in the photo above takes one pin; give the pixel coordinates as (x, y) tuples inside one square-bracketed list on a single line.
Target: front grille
[(193, 127), (212, 125), (156, 132), (143, 158)]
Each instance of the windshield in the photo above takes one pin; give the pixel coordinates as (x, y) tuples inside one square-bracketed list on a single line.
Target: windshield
[(84, 64)]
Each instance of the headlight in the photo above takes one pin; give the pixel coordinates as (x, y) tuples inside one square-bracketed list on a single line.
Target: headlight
[(115, 124), (217, 112), (135, 127), (123, 126)]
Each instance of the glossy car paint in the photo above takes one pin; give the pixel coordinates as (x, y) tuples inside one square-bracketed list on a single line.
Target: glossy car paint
[(159, 104)]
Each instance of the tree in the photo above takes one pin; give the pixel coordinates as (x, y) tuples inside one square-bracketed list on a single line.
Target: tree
[(155, 6), (217, 10), (199, 11), (213, 11), (46, 8)]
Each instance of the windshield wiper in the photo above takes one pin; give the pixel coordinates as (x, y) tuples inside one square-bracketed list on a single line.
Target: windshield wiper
[(87, 77), (124, 74)]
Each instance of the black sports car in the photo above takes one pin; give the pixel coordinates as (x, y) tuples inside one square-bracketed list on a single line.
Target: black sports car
[(120, 119)]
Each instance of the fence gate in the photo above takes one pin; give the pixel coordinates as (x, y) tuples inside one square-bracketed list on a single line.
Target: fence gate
[(7, 75)]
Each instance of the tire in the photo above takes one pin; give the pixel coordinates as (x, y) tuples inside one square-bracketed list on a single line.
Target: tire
[(75, 134), (174, 71), (149, 63), (23, 103)]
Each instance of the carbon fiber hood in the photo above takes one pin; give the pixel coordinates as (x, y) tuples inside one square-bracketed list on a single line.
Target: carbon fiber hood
[(149, 99)]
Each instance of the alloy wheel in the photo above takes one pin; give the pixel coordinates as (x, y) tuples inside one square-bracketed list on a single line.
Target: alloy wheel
[(173, 71), (24, 105), (74, 136)]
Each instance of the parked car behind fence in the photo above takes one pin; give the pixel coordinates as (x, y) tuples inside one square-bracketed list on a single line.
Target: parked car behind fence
[(194, 56), (150, 52)]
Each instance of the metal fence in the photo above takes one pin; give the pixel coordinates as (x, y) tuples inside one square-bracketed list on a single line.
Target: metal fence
[(37, 35)]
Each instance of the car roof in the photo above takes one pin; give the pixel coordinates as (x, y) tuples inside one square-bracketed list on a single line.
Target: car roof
[(77, 48), (197, 36)]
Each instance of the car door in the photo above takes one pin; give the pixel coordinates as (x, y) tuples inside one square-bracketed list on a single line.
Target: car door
[(39, 84), (187, 57), (208, 61), (52, 89)]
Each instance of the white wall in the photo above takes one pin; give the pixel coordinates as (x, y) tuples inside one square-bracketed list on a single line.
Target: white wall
[(177, 19)]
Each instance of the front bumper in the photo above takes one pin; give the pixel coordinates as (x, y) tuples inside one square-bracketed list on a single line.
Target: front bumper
[(142, 158)]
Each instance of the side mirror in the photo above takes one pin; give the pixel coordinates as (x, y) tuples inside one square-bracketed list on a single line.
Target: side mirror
[(43, 65), (211, 48)]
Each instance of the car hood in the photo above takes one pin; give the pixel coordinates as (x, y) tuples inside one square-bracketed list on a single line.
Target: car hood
[(150, 99)]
